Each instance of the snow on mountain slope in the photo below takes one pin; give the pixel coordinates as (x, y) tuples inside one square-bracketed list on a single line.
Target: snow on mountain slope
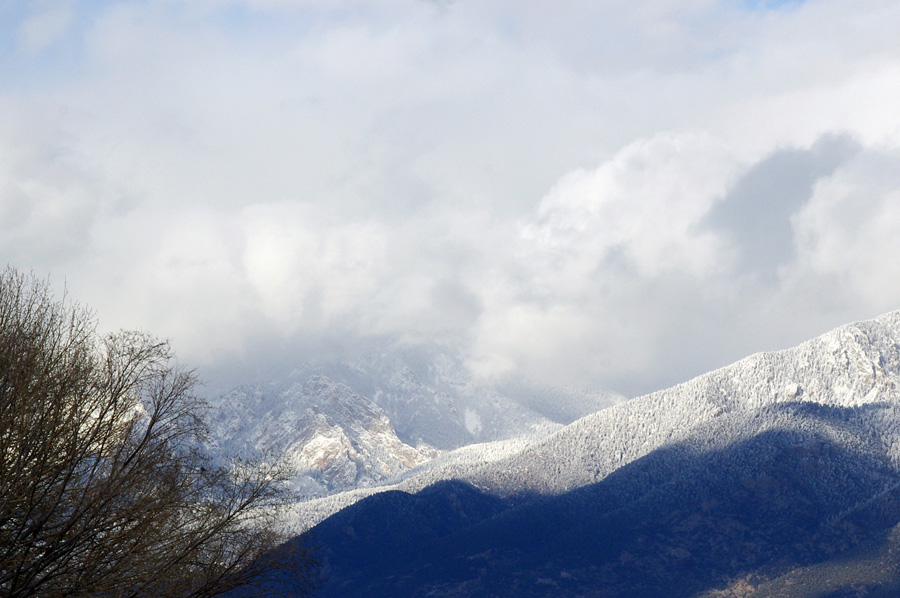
[(457, 464), (364, 421), (856, 364), (753, 471), (430, 397), (851, 366), (681, 520), (335, 438)]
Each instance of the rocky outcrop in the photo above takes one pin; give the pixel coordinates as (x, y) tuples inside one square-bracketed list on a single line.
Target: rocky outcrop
[(334, 438)]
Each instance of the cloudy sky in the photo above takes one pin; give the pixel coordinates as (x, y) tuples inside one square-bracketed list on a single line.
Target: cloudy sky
[(622, 193)]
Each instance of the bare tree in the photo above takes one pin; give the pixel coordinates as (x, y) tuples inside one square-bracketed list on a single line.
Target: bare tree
[(104, 488)]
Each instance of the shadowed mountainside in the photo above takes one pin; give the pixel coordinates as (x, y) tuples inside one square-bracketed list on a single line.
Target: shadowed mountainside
[(673, 523), (761, 472)]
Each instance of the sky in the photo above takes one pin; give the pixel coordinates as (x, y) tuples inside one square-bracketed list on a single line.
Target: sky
[(616, 194)]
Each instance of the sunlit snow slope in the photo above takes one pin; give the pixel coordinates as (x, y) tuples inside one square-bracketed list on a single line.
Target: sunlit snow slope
[(776, 464)]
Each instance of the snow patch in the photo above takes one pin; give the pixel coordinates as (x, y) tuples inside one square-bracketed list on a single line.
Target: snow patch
[(473, 422)]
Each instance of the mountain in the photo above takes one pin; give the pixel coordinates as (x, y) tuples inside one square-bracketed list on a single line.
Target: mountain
[(431, 398), (852, 366), (360, 423), (334, 438), (742, 482)]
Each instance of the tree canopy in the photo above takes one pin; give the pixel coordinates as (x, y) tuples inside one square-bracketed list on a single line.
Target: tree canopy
[(105, 489)]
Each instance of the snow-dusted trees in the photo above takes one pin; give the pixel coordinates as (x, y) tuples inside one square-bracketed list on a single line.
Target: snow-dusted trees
[(104, 490)]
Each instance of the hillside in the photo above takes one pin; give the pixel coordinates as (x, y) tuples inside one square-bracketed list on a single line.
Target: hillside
[(334, 438), (360, 423), (772, 465), (430, 397)]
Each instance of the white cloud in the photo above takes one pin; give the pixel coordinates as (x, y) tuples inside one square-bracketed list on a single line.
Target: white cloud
[(532, 181), (849, 232), (645, 205), (44, 26), (48, 201), (600, 245)]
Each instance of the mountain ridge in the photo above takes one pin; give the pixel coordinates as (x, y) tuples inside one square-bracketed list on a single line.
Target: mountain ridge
[(804, 439), (362, 423)]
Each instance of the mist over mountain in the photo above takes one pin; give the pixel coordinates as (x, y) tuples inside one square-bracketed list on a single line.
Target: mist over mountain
[(732, 482), (334, 438), (358, 423)]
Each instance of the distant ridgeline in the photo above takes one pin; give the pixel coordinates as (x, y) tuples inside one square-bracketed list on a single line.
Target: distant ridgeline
[(776, 476), (359, 424)]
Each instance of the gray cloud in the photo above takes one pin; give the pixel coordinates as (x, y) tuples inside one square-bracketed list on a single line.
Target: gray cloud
[(756, 212), (48, 201), (606, 193)]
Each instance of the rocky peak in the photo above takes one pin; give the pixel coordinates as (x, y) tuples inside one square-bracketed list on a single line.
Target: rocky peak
[(335, 438)]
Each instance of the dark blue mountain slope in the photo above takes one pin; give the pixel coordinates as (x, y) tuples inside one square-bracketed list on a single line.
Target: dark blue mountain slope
[(390, 528), (674, 523)]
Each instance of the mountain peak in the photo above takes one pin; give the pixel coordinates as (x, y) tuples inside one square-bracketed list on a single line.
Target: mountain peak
[(735, 483)]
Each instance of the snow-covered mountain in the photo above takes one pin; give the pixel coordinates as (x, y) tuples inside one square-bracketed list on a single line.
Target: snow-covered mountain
[(851, 366), (431, 398), (751, 472), (333, 437), (356, 424)]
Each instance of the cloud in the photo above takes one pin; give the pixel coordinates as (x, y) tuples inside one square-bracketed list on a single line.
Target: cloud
[(48, 201), (44, 26), (605, 252), (850, 230), (623, 194), (642, 205), (674, 250), (756, 213)]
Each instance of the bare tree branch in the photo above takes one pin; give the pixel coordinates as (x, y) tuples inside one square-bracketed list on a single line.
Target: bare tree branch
[(104, 488)]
